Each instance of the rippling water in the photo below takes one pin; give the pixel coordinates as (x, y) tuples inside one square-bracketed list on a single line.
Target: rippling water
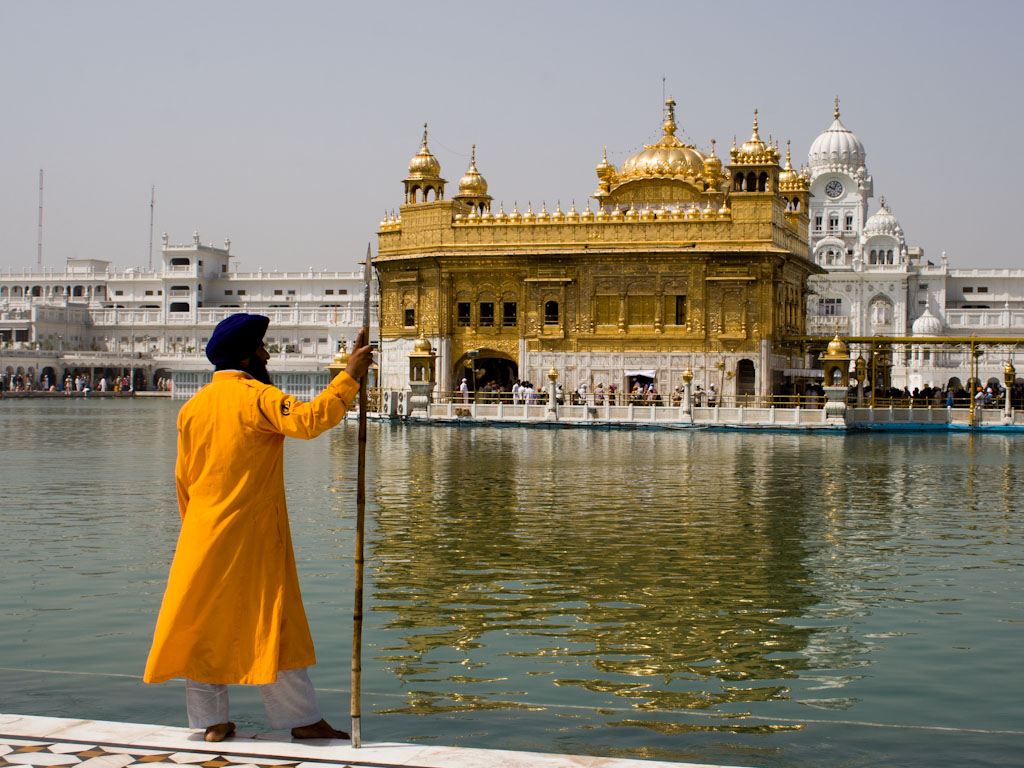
[(720, 597)]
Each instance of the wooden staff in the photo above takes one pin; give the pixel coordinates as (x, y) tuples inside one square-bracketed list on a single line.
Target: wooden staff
[(357, 608)]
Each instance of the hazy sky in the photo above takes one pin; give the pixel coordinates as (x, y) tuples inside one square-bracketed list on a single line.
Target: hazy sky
[(289, 126)]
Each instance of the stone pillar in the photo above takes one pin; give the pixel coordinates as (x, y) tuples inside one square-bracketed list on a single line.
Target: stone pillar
[(835, 406)]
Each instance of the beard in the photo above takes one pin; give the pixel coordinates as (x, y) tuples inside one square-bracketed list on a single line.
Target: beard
[(258, 370)]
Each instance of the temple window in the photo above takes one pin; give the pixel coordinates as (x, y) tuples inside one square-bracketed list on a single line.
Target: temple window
[(551, 313), (607, 310), (849, 222), (509, 316), (462, 314), (410, 317), (817, 223), (641, 310), (680, 314), (487, 313)]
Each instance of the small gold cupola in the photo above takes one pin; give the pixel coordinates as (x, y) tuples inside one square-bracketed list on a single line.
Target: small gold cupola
[(424, 183), (712, 167), (473, 188)]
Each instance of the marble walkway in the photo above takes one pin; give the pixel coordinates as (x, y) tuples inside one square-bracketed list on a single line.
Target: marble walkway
[(54, 741)]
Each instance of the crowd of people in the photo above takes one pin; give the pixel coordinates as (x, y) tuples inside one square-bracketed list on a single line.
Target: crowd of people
[(18, 382), (992, 395), (525, 392)]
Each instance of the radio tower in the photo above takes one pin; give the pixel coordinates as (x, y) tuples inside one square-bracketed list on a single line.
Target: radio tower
[(39, 254)]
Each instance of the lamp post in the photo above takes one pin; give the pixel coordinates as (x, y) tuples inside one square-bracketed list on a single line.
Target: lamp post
[(552, 400), (860, 369), (1009, 377)]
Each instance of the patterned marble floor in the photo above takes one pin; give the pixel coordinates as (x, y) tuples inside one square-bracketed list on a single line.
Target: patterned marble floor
[(54, 741)]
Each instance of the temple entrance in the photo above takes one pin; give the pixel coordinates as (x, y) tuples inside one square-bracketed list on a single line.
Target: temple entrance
[(746, 377), (487, 371)]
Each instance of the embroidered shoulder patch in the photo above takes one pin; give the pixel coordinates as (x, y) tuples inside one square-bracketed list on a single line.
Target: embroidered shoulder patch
[(286, 407)]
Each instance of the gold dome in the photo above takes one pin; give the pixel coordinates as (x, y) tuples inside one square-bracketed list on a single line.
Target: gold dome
[(837, 347), (341, 356), (423, 345), (424, 165), (473, 184), (712, 165), (668, 157), (605, 170), (753, 147), (788, 175)]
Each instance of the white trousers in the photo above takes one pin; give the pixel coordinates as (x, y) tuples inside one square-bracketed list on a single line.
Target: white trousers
[(290, 701)]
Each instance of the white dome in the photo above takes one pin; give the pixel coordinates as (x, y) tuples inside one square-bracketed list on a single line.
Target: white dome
[(882, 222), (836, 147), (927, 325)]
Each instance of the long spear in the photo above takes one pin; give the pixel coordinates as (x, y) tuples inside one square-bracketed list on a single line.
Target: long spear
[(357, 609)]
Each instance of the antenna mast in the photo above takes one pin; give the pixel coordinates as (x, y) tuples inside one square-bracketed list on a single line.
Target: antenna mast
[(39, 253), (152, 203)]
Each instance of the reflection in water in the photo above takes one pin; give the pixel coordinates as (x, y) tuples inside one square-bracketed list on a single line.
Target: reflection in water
[(656, 578)]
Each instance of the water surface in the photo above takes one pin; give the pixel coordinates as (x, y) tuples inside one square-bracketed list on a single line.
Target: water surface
[(721, 597)]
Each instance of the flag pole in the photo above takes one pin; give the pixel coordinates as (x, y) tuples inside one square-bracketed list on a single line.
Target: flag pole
[(357, 607)]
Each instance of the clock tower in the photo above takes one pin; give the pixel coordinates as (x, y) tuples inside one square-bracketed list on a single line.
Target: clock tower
[(840, 188)]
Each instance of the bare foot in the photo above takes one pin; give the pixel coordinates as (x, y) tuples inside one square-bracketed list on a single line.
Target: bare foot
[(321, 730), (220, 731)]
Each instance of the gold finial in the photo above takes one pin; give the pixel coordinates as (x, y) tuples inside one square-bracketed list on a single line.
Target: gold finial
[(788, 166), (755, 137), (712, 147), (424, 135), (836, 112), (670, 116), (882, 203), (734, 142), (604, 159), (472, 158)]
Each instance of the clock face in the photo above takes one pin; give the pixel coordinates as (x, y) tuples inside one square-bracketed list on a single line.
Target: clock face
[(834, 188)]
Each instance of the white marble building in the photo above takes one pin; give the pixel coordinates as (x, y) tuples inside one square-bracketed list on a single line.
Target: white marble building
[(154, 325), (877, 285)]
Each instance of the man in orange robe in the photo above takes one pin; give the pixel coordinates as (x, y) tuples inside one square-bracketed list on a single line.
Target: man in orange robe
[(232, 612)]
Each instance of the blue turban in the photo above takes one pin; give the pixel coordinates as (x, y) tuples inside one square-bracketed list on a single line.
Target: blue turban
[(236, 337)]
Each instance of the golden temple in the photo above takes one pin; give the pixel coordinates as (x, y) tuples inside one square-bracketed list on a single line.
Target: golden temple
[(686, 263)]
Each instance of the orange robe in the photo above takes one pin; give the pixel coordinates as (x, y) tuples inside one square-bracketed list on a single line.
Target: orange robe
[(232, 612)]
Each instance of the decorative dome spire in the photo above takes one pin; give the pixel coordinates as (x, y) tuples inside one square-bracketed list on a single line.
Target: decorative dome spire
[(927, 324), (754, 145), (473, 183), (788, 175), (670, 117), (667, 157), (883, 222), (605, 170), (837, 346), (712, 165), (424, 165), (836, 148), (754, 151)]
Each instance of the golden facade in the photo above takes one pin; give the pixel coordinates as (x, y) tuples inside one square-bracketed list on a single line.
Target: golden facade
[(685, 263)]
